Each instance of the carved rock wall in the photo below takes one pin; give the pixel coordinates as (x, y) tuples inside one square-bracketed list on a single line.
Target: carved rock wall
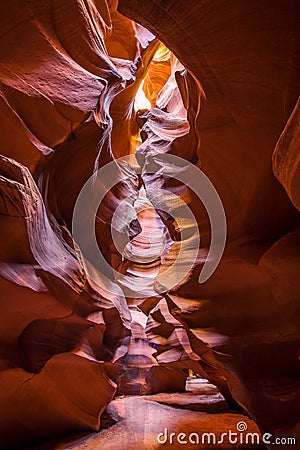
[(69, 75)]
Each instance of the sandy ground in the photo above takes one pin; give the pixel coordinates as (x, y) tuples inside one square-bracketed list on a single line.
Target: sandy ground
[(140, 419)]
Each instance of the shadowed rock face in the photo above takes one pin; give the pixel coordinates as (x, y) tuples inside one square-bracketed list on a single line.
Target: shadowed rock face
[(247, 71), (223, 96)]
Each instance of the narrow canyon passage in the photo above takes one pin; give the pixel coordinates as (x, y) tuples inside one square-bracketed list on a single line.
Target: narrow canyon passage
[(145, 251), (150, 227)]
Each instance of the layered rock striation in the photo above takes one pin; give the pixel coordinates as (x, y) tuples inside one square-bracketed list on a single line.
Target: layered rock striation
[(84, 84)]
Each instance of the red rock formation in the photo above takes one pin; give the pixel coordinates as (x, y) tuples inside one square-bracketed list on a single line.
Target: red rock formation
[(286, 157), (220, 98), (48, 310), (246, 59)]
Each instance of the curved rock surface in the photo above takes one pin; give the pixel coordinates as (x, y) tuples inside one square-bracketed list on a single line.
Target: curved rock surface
[(83, 83), (286, 162)]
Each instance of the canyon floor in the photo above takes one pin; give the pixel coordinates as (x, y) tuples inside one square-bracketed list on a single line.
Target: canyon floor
[(135, 422)]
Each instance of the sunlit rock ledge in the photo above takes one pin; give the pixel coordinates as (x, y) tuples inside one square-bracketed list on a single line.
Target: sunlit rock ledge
[(82, 85)]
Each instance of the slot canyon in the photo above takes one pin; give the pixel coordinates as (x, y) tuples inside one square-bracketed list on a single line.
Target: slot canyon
[(150, 225)]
